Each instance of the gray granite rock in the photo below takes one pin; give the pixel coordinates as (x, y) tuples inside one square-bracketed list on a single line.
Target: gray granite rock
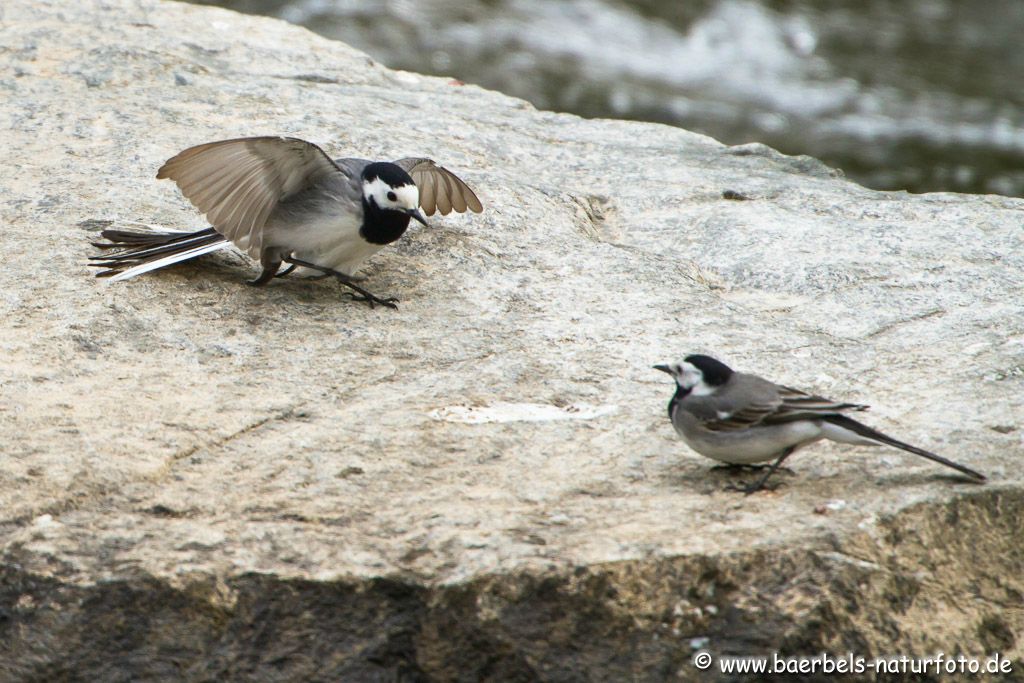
[(202, 480)]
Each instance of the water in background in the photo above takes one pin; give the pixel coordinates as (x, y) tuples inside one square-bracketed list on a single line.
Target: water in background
[(923, 95)]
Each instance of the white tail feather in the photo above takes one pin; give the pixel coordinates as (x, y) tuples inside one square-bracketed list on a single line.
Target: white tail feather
[(143, 252), (835, 432), (168, 260)]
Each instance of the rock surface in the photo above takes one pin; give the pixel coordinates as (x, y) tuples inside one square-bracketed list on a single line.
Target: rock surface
[(203, 480)]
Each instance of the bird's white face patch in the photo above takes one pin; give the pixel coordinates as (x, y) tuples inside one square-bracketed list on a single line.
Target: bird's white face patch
[(401, 198), (691, 378)]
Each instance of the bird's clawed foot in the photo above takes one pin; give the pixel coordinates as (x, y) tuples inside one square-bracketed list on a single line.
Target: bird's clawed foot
[(758, 485), (361, 294), (371, 299), (358, 294), (733, 468), (747, 489)]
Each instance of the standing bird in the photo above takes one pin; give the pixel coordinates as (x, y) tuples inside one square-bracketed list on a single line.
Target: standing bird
[(284, 201), (742, 419)]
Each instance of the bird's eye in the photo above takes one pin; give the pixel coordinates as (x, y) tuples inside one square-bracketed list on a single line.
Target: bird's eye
[(392, 196)]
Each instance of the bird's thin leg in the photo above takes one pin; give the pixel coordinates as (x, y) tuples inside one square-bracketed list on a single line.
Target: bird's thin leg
[(268, 274), (738, 467), (759, 484), (363, 295)]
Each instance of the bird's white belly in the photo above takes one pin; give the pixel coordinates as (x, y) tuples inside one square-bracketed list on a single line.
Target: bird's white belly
[(333, 242), (345, 256), (745, 447)]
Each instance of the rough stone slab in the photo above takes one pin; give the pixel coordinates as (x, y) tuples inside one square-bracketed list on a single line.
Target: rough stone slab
[(203, 480)]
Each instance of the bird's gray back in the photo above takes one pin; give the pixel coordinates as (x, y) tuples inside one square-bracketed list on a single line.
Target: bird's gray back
[(332, 196), (353, 167)]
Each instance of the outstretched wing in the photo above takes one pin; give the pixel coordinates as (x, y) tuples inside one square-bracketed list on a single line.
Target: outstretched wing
[(237, 183), (771, 404), (440, 189)]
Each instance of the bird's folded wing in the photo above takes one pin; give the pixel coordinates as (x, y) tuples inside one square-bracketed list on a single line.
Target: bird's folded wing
[(440, 189), (237, 183), (789, 406), (796, 400), (739, 418), (799, 405)]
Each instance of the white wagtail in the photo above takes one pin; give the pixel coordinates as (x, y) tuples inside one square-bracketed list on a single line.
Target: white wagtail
[(742, 419), (284, 201)]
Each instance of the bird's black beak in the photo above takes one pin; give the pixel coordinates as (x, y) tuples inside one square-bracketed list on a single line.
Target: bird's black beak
[(663, 368), (418, 215)]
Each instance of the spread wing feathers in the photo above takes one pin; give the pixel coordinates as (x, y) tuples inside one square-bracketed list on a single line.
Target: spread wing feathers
[(440, 189), (237, 183), (788, 405)]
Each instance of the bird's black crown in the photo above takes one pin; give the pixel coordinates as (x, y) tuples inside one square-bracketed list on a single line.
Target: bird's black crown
[(715, 371), (392, 174)]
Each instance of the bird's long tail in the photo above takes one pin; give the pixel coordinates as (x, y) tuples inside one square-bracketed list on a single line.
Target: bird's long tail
[(867, 432), (143, 251)]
